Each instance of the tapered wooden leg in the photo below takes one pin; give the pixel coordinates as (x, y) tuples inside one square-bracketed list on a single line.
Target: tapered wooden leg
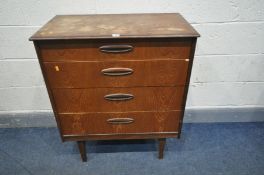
[(180, 128), (161, 147), (82, 150), (179, 135)]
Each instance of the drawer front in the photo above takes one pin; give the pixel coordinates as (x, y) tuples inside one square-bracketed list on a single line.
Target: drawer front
[(84, 50), (118, 99), (116, 73), (114, 123)]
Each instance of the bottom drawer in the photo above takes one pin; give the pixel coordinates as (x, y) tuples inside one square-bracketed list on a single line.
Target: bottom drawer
[(115, 123)]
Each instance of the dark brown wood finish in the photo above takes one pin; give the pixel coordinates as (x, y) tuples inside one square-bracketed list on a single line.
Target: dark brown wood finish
[(162, 143), (119, 136), (92, 99), (54, 108), (117, 76), (82, 149), (115, 25), (140, 122), (184, 100), (85, 50), (143, 73)]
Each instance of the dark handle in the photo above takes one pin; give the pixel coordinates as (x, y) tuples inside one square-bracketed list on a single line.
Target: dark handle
[(117, 71), (116, 48), (120, 120), (119, 97)]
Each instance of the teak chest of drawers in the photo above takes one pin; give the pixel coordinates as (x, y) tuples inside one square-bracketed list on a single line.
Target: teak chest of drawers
[(117, 76)]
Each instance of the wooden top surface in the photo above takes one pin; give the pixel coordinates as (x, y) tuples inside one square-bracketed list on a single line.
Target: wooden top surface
[(115, 26)]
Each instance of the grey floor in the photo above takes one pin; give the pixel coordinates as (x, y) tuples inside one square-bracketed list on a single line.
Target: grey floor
[(227, 148)]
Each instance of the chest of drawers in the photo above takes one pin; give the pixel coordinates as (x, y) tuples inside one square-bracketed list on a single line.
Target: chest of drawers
[(117, 76)]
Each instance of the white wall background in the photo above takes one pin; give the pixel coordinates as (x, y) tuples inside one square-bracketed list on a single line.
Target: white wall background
[(229, 63)]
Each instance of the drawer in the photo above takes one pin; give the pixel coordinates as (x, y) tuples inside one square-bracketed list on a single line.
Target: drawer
[(116, 73), (98, 50), (123, 123), (118, 99)]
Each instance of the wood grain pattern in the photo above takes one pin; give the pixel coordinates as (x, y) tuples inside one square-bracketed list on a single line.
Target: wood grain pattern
[(121, 25), (87, 50), (88, 74), (51, 98), (92, 99), (96, 123), (154, 58), (184, 100)]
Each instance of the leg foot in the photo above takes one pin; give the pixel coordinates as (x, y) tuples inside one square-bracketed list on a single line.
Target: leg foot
[(180, 128), (82, 150), (179, 135), (161, 147)]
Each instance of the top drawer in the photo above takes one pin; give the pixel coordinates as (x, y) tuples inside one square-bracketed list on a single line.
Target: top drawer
[(122, 49)]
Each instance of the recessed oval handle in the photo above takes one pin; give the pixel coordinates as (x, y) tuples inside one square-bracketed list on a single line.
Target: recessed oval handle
[(116, 48), (120, 120), (118, 97), (117, 71)]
